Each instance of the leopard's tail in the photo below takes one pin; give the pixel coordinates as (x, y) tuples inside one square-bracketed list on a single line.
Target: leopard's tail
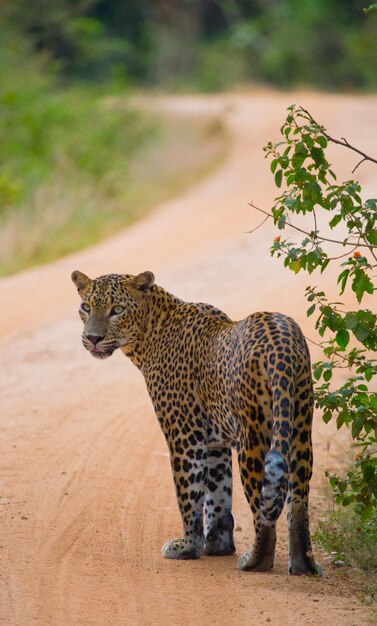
[(274, 486), (277, 460)]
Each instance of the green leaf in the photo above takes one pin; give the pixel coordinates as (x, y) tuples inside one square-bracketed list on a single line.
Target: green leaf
[(291, 179), (308, 139), (361, 333), (347, 500), (362, 284), (357, 426), (342, 279), (274, 164), (327, 375), (373, 401), (371, 236), (363, 387), (297, 160), (335, 220), (345, 391), (295, 266), (278, 178), (317, 373), (317, 155), (313, 191), (368, 472), (310, 310), (291, 203), (341, 419), (368, 377), (301, 148), (307, 205), (342, 338), (340, 484), (322, 141), (351, 320), (332, 399)]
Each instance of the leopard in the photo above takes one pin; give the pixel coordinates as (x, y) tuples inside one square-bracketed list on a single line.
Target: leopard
[(217, 384)]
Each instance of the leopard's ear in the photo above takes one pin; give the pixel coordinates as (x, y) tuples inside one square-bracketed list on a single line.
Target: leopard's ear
[(81, 281), (143, 281)]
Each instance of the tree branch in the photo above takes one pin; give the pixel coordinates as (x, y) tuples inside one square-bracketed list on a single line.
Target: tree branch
[(305, 232), (341, 142)]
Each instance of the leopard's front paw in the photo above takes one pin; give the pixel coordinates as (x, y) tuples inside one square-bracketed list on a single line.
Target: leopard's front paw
[(184, 548)]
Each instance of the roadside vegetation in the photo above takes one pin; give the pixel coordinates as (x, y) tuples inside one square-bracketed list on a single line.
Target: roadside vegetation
[(79, 164), (330, 223), (202, 44), (350, 545)]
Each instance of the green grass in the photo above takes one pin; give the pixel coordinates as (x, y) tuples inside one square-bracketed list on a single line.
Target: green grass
[(78, 166), (74, 208), (350, 545)]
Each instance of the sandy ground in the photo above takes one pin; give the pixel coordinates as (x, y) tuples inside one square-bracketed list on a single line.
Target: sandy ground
[(87, 498)]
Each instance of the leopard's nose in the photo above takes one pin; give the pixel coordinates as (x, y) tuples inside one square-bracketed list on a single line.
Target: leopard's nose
[(94, 339)]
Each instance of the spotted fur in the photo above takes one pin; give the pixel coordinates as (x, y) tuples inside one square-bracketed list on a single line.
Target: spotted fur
[(217, 384)]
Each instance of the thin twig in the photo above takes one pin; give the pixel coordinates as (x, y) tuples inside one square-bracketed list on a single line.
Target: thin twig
[(248, 232), (341, 142), (315, 221), (315, 343), (342, 256), (357, 165), (342, 356), (305, 232)]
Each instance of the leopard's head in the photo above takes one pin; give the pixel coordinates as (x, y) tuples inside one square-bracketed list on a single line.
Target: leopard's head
[(112, 310)]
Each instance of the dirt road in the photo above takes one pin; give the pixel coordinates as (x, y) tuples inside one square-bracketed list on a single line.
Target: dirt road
[(87, 498)]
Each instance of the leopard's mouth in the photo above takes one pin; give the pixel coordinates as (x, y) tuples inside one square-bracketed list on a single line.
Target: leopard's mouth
[(100, 354), (100, 351)]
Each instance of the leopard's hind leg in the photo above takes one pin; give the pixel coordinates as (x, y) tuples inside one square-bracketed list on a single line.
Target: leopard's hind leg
[(301, 559), (218, 503), (252, 450)]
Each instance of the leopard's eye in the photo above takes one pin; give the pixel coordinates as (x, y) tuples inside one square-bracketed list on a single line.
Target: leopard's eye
[(85, 307), (117, 310)]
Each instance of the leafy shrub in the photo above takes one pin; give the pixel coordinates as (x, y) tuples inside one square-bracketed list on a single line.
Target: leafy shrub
[(204, 45), (311, 186), (79, 163), (44, 129)]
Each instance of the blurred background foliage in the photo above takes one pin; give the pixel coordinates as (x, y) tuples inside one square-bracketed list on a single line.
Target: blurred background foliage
[(79, 160), (203, 44)]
